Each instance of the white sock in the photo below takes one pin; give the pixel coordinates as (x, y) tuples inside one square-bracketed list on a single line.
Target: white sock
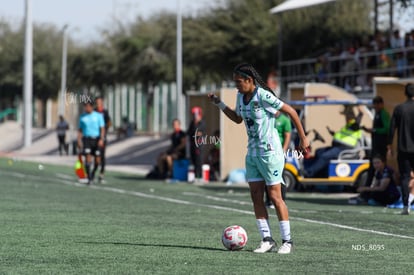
[(264, 228), (410, 199), (284, 230)]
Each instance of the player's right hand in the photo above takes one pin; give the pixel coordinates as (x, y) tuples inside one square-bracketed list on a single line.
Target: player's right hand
[(214, 99)]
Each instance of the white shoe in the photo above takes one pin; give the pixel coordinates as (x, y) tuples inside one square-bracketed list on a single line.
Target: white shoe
[(285, 248), (268, 244), (405, 211)]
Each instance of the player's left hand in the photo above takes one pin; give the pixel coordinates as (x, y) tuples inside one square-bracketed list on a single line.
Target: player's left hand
[(100, 143), (304, 144)]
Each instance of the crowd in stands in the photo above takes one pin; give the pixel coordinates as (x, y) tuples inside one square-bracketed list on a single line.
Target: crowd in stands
[(353, 64)]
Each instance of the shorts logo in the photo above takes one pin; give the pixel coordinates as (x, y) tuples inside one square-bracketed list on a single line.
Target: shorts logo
[(275, 173)]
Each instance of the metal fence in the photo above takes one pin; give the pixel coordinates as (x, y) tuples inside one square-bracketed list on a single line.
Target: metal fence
[(352, 71)]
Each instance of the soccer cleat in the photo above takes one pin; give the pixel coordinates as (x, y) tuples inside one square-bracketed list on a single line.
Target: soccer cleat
[(285, 248), (268, 244), (405, 211), (101, 179)]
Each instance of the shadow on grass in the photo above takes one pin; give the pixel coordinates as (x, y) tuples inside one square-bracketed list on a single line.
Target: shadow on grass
[(158, 245)]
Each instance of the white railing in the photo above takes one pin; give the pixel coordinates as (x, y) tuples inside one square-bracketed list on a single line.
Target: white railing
[(352, 71)]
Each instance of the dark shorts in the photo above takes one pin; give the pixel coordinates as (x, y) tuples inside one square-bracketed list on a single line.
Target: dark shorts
[(90, 146)]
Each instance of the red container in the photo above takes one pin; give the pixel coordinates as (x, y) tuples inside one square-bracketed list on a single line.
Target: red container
[(206, 172)]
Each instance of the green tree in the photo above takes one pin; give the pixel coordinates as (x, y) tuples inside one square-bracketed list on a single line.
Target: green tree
[(11, 58), (47, 58)]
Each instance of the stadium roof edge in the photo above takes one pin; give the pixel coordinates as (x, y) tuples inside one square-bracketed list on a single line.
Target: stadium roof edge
[(296, 4)]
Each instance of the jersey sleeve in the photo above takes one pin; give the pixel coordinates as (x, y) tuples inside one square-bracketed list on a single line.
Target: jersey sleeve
[(237, 109), (80, 124), (270, 102), (387, 173), (288, 125), (385, 118)]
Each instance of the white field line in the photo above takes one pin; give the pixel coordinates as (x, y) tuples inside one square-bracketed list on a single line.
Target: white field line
[(177, 201), (306, 220)]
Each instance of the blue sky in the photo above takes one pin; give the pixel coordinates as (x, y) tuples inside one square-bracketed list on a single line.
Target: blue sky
[(86, 17)]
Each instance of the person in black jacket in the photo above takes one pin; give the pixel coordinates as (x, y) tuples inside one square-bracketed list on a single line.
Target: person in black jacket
[(402, 121), (99, 101), (175, 151), (196, 131), (382, 190)]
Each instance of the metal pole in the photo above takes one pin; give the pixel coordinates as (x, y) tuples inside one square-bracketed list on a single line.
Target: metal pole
[(179, 73), (280, 52), (63, 73), (28, 76), (375, 16), (391, 18)]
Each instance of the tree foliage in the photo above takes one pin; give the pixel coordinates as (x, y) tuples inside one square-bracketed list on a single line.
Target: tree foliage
[(213, 42)]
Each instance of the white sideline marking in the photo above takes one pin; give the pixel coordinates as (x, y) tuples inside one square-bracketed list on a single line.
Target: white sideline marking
[(354, 228), (217, 198), (308, 220), (64, 176), (144, 195), (139, 194)]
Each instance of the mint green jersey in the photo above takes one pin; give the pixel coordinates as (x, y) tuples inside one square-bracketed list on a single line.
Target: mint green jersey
[(259, 118)]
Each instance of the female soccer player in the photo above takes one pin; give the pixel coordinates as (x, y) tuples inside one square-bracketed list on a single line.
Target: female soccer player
[(256, 105)]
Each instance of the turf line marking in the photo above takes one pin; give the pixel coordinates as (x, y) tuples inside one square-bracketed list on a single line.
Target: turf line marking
[(354, 228), (217, 198), (307, 220), (15, 174), (217, 207), (177, 201), (240, 202)]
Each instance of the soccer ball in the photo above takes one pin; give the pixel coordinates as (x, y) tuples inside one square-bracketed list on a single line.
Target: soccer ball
[(234, 237)]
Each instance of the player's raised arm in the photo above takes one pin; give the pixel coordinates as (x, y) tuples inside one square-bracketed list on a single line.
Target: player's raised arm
[(231, 114), (287, 109)]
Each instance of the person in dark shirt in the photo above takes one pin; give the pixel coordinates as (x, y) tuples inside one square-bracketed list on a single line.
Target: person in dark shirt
[(108, 123), (382, 190), (61, 128), (176, 151), (379, 134), (402, 121), (195, 132)]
